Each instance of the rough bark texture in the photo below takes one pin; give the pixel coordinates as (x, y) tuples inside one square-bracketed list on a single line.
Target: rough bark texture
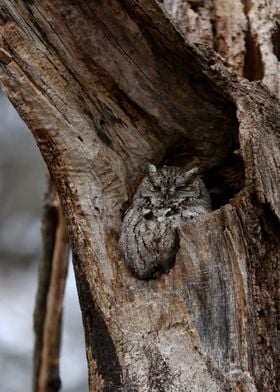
[(106, 86), (245, 32)]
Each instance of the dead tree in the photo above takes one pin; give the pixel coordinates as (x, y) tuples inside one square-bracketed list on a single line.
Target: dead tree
[(105, 87)]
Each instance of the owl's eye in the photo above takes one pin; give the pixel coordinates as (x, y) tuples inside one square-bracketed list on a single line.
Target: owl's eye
[(180, 188), (148, 215)]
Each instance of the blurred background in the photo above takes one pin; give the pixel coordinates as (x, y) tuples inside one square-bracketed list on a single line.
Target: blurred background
[(23, 178)]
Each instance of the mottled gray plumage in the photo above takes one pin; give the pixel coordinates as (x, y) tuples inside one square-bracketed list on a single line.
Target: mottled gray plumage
[(166, 199)]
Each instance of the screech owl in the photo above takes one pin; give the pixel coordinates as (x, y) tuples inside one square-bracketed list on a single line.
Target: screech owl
[(166, 199)]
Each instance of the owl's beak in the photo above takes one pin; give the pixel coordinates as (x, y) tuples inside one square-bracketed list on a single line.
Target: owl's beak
[(170, 194)]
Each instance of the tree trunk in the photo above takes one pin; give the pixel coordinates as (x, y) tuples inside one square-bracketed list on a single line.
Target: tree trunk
[(107, 86)]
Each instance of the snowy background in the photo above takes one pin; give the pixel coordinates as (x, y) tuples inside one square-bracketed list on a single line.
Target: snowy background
[(22, 185)]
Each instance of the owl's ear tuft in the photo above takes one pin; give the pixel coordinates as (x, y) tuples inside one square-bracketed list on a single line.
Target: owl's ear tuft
[(151, 169), (190, 174)]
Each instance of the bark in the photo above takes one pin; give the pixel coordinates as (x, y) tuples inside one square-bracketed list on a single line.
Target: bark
[(49, 299), (106, 86), (245, 32)]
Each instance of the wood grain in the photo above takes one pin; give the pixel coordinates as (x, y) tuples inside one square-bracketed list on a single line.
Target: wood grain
[(106, 86)]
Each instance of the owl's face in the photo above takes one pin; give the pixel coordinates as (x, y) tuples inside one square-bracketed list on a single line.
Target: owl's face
[(169, 188)]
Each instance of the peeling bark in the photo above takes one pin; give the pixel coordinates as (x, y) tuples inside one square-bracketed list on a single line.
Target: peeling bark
[(106, 86)]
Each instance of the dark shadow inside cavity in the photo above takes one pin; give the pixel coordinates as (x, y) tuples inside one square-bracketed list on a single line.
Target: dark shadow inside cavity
[(180, 152), (223, 181), (275, 38), (195, 4), (253, 64)]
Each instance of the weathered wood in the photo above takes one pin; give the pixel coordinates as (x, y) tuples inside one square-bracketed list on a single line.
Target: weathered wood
[(106, 86), (246, 33)]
